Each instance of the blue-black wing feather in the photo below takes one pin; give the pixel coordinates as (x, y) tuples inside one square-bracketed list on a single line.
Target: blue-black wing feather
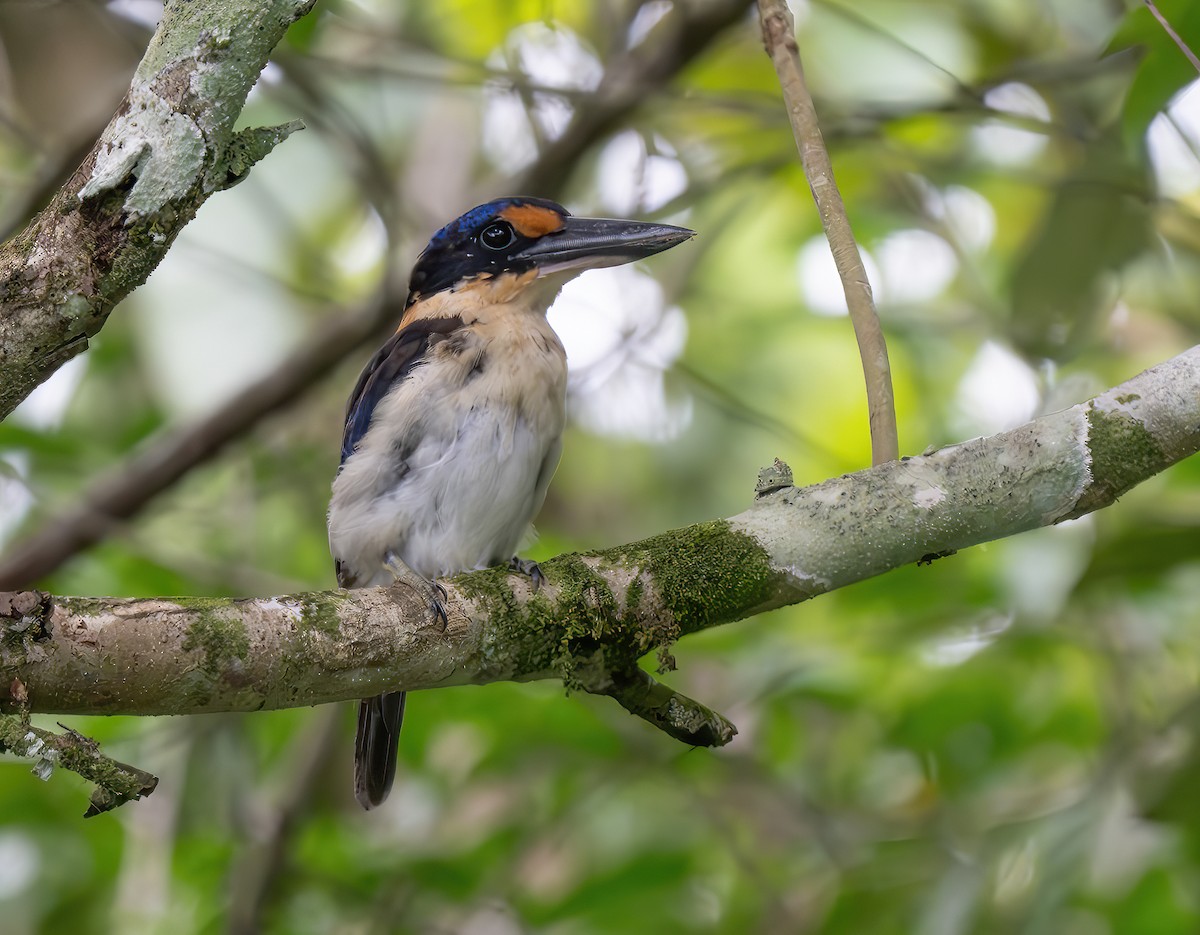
[(379, 718), (391, 363)]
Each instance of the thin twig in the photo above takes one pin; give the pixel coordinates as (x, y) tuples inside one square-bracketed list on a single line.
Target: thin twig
[(677, 715), (780, 42), (628, 81), (1175, 37), (116, 783)]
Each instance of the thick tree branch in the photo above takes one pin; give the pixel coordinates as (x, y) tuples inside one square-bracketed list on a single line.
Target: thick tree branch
[(599, 612), (170, 146)]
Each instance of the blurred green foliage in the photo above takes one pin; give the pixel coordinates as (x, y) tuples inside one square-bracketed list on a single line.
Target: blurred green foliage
[(1005, 741)]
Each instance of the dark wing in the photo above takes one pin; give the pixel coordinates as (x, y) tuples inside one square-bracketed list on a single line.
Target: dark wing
[(379, 718), (392, 362)]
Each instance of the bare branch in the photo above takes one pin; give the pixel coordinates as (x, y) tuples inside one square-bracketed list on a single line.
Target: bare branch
[(1175, 37), (673, 713), (779, 38)]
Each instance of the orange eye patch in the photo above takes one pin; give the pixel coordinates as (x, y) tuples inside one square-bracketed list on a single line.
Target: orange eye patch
[(532, 220)]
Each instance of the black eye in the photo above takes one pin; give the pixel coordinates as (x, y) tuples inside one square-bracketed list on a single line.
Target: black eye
[(497, 236)]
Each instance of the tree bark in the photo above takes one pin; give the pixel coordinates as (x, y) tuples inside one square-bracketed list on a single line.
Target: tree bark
[(599, 612), (169, 147)]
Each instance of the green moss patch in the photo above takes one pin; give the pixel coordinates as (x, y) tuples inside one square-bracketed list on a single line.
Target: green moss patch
[(706, 574), (703, 575), (320, 612), (1124, 454), (219, 640)]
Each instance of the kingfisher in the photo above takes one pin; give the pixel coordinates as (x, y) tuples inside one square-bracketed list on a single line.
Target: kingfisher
[(454, 428)]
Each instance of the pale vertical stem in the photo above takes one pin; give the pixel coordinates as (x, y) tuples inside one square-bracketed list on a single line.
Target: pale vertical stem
[(779, 38), (1175, 37)]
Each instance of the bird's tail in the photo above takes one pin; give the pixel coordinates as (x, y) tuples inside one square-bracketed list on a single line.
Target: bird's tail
[(379, 721)]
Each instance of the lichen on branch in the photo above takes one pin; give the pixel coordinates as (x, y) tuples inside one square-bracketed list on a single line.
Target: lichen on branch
[(598, 612), (169, 147)]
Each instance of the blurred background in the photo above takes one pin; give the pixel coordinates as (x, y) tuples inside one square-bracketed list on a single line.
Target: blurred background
[(1001, 742)]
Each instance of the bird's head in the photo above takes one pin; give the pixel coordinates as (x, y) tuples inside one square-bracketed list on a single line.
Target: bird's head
[(533, 239)]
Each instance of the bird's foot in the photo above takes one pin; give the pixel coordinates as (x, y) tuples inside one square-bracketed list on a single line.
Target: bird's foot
[(529, 568), (406, 576)]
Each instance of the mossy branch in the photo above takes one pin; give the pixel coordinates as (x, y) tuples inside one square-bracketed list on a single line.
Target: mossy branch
[(116, 783), (169, 147), (598, 613), (675, 714)]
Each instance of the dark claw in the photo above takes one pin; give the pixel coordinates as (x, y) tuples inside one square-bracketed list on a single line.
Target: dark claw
[(438, 603), (405, 575), (529, 568)]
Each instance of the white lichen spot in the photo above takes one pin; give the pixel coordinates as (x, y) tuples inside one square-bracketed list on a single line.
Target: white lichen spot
[(33, 744), (209, 69), (806, 582), (928, 497), (1130, 404), (215, 39), (37, 258), (923, 476), (75, 306), (151, 142), (44, 767), (830, 493), (1048, 460), (1078, 442), (791, 538), (274, 603)]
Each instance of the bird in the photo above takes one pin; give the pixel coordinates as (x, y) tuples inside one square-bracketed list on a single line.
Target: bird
[(454, 428)]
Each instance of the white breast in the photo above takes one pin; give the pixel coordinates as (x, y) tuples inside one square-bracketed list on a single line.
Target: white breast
[(457, 459)]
